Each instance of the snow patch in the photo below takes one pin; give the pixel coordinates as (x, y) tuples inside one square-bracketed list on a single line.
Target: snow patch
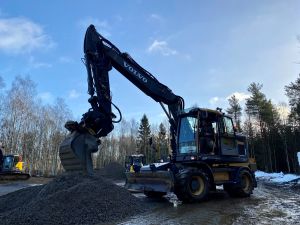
[(276, 177), (298, 155)]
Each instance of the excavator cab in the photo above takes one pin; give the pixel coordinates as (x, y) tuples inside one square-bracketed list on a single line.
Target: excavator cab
[(208, 134), (133, 163)]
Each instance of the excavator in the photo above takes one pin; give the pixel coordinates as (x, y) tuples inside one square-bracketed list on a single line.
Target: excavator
[(206, 149), (134, 162), (12, 168)]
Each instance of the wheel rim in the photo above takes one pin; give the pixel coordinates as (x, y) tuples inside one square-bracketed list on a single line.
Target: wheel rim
[(196, 185), (245, 182)]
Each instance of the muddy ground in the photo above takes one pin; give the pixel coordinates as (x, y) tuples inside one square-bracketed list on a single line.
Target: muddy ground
[(270, 204)]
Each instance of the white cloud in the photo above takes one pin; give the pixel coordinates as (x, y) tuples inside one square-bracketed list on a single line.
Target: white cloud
[(36, 64), (46, 97), (239, 95), (21, 35), (162, 48), (223, 101), (73, 94), (156, 18), (101, 25), (214, 100)]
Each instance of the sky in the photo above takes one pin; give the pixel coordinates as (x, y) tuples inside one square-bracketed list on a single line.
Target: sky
[(205, 51)]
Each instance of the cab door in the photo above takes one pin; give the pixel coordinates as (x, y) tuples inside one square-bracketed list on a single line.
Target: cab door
[(228, 138)]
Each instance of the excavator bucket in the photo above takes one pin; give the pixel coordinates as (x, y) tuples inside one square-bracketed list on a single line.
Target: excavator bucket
[(158, 181), (76, 150)]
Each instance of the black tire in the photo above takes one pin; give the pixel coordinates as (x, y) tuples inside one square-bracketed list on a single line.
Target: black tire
[(154, 194), (244, 188), (191, 185)]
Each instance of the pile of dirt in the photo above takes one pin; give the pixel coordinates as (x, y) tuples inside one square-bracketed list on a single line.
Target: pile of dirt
[(114, 171), (69, 199)]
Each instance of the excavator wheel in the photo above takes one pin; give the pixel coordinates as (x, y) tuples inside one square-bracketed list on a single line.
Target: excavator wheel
[(244, 188), (154, 194), (192, 185)]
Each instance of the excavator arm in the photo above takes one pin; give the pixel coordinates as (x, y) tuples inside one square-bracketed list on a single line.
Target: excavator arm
[(100, 56)]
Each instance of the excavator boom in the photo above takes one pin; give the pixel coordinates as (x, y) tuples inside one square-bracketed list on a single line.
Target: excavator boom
[(100, 56)]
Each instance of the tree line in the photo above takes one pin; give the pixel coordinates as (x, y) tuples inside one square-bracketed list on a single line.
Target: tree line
[(35, 130), (30, 128), (273, 131)]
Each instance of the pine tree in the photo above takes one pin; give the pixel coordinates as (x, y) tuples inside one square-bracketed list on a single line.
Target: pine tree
[(264, 113), (235, 111), (163, 151), (293, 93), (144, 134)]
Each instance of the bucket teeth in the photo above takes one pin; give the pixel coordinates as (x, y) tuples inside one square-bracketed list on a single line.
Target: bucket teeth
[(70, 161), (75, 152)]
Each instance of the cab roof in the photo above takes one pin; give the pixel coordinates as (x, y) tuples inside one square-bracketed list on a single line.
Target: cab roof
[(211, 111)]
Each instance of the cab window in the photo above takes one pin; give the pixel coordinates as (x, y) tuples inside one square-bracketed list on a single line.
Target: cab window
[(228, 126), (187, 135)]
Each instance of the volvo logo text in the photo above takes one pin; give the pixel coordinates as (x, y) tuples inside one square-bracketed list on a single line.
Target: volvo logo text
[(136, 73)]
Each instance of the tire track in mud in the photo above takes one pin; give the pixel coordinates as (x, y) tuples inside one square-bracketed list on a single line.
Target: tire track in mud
[(268, 205), (272, 205)]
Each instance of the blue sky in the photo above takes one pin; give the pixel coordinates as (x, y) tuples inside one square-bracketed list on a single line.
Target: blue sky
[(203, 50)]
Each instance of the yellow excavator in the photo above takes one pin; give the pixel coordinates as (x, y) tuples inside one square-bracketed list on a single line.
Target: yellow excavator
[(133, 163), (12, 168)]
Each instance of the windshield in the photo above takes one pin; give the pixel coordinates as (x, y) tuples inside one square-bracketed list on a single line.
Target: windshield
[(187, 135), (8, 162)]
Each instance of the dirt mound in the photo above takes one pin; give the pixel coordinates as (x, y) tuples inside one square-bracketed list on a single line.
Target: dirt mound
[(113, 170), (69, 199)]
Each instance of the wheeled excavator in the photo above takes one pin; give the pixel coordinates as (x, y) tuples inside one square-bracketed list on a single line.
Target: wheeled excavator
[(206, 149)]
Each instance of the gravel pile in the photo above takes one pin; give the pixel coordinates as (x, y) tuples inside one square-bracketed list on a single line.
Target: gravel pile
[(69, 199), (114, 171)]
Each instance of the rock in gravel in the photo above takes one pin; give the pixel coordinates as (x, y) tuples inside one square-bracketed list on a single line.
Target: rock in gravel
[(70, 199)]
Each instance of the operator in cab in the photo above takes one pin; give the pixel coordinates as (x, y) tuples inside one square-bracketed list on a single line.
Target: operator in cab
[(207, 134)]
